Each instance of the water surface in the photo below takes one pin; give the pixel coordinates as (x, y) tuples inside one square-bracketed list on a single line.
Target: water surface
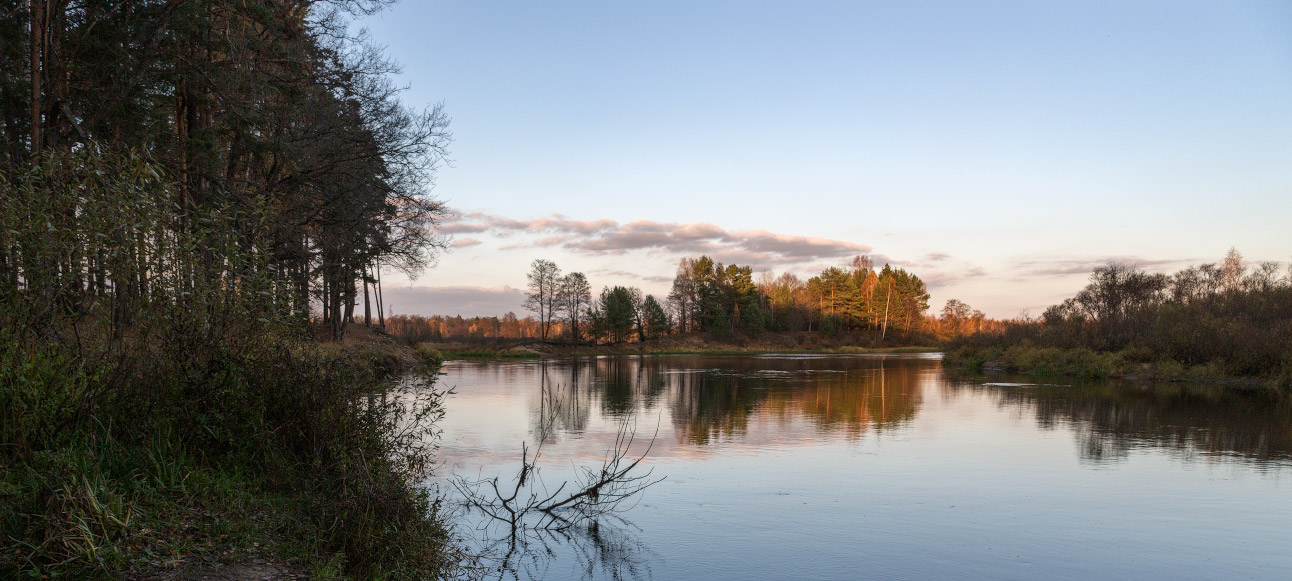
[(846, 467)]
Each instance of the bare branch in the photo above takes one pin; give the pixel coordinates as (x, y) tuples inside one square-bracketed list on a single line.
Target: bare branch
[(597, 492)]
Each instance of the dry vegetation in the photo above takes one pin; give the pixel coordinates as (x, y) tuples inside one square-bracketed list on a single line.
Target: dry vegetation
[(1211, 322)]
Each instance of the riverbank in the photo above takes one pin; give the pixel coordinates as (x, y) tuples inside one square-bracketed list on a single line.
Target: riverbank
[(265, 453), (1133, 364), (692, 343)]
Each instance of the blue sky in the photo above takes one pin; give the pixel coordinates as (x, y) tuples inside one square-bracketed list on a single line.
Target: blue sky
[(999, 150)]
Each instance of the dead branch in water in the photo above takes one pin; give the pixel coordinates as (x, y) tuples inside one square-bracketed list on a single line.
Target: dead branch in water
[(594, 493)]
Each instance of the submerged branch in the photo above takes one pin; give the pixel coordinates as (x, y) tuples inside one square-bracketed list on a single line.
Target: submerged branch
[(596, 492)]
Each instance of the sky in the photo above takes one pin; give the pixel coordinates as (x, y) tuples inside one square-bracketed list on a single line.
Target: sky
[(998, 150)]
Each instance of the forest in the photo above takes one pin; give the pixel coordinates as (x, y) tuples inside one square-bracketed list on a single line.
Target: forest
[(261, 129), (1207, 322), (182, 185)]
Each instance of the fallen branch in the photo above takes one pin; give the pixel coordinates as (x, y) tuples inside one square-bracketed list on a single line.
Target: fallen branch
[(596, 492)]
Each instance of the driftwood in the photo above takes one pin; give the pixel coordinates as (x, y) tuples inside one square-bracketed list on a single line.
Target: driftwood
[(595, 492)]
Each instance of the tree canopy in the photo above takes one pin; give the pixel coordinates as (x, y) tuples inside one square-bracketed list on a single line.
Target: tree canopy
[(267, 117)]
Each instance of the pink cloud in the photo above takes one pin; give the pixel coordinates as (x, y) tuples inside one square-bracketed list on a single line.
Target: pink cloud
[(759, 248), (467, 301), (1062, 267)]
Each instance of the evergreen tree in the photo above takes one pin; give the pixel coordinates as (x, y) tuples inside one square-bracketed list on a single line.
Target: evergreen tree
[(656, 320), (616, 313)]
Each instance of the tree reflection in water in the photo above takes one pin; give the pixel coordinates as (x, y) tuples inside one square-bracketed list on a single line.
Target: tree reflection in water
[(1111, 418), (711, 406), (605, 549), (529, 522), (706, 404)]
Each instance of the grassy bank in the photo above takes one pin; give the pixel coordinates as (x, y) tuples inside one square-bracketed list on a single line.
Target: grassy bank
[(136, 456), (1085, 363), (440, 352), (690, 344), (845, 350)]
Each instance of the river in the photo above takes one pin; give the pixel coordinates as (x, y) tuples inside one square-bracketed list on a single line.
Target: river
[(855, 467)]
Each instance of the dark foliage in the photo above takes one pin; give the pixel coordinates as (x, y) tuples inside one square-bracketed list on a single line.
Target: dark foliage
[(1220, 321), (180, 183)]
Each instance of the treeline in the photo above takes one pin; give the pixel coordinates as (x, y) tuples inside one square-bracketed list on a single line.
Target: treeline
[(957, 319), (713, 298), (417, 328), (1208, 321), (181, 184), (708, 297), (261, 130)]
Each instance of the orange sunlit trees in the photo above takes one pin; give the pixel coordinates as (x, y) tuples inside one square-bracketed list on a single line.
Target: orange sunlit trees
[(544, 280)]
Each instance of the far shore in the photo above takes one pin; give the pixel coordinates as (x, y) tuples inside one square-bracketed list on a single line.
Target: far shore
[(691, 343)]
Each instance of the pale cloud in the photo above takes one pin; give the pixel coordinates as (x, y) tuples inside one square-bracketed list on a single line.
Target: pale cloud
[(621, 273), (547, 241), (460, 228), (474, 222), (468, 301), (758, 248), (626, 274), (1065, 267), (943, 279), (465, 242)]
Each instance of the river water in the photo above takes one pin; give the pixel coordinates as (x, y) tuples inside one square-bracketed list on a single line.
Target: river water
[(854, 467)]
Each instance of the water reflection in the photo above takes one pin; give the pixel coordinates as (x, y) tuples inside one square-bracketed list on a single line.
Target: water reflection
[(715, 399), (1187, 420), (712, 399), (613, 550), (749, 444)]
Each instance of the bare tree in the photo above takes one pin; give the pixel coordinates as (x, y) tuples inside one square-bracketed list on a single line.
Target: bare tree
[(574, 295), (1232, 269), (544, 280), (683, 295), (638, 311), (955, 314)]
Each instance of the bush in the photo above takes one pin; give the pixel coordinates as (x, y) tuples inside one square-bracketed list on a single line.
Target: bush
[(430, 354)]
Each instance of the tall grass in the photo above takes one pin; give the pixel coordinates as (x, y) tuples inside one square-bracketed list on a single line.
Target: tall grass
[(314, 453)]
